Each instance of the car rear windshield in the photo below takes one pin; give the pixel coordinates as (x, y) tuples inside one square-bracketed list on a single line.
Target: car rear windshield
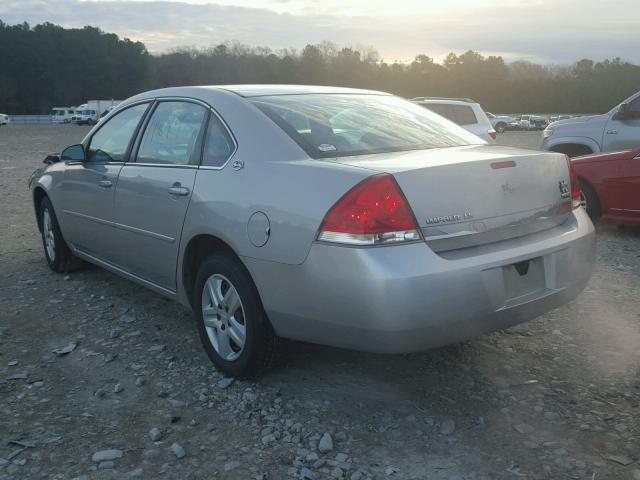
[(335, 125)]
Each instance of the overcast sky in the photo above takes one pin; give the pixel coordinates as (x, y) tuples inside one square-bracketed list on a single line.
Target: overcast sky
[(549, 31)]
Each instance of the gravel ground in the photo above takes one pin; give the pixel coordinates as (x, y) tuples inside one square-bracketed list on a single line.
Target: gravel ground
[(102, 379)]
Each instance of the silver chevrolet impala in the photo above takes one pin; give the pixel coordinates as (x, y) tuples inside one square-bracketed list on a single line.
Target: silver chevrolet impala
[(343, 217)]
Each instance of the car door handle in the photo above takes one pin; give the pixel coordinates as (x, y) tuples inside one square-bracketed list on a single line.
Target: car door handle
[(105, 183), (612, 132), (178, 191)]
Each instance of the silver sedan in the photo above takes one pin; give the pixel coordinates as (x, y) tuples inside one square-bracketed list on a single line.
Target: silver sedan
[(343, 217)]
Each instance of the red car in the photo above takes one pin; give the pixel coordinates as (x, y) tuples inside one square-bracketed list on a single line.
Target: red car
[(610, 185)]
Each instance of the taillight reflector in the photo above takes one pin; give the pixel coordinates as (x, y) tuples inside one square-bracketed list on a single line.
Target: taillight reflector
[(492, 133), (575, 184), (374, 212)]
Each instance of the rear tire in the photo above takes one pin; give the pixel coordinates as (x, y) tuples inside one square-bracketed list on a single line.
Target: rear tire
[(589, 200), (59, 257), (233, 326), (501, 127)]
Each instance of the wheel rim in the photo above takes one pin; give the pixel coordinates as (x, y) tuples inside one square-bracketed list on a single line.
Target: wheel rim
[(47, 233), (583, 200), (223, 316)]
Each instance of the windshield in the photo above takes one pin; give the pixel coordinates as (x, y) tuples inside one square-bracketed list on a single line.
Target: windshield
[(328, 126)]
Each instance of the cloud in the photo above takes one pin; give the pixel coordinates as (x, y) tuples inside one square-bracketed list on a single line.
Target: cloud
[(542, 30)]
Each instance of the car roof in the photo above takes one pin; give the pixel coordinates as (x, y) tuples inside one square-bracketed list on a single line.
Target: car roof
[(455, 101), (264, 90), (212, 93)]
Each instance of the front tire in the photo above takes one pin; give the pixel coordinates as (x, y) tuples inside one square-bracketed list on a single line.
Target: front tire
[(589, 200), (501, 127), (59, 257), (232, 324)]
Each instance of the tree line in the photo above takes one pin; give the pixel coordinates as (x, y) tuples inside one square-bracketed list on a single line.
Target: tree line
[(47, 65)]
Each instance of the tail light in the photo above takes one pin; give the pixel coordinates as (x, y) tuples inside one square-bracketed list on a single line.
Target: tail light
[(575, 185), (374, 212), (492, 133)]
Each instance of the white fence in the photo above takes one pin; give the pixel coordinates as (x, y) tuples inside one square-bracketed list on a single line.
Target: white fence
[(29, 119)]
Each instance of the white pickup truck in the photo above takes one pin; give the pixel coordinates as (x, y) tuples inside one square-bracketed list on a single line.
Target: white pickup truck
[(500, 122)]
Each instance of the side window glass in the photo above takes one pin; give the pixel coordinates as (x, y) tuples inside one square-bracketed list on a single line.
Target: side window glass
[(218, 145), (442, 110), (464, 115), (171, 134), (634, 108), (110, 143)]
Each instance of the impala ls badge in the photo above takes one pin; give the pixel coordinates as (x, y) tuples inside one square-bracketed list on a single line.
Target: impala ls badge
[(565, 191), (449, 218)]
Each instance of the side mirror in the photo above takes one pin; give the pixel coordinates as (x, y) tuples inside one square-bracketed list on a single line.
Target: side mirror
[(51, 158), (74, 153), (623, 112)]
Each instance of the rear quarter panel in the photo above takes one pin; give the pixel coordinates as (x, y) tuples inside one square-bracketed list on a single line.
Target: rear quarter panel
[(604, 173), (277, 179), (294, 196)]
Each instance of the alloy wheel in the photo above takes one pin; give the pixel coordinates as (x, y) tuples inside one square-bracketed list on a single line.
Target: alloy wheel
[(223, 316), (583, 200), (47, 233)]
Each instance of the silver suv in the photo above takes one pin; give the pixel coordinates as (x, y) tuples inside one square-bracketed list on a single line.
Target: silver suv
[(618, 129)]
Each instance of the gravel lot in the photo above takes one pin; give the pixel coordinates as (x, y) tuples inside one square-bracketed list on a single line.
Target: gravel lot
[(557, 398)]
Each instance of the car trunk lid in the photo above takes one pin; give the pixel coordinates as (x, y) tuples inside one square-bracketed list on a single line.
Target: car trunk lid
[(473, 195)]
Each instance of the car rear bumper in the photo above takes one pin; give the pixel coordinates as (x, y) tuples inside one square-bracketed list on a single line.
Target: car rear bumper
[(407, 298)]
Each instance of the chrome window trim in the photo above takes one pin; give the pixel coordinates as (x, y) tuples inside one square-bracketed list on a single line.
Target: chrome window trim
[(160, 99), (212, 111), (77, 162), (161, 165)]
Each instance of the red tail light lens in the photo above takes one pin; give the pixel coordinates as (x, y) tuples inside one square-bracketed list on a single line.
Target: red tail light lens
[(374, 212), (575, 184), (492, 133)]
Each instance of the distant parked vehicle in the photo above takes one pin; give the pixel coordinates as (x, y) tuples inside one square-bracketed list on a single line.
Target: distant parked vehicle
[(525, 122), (555, 118), (609, 185), (62, 114), (4, 119), (462, 111), (538, 123), (86, 116), (618, 129), (500, 122), (91, 112), (532, 122)]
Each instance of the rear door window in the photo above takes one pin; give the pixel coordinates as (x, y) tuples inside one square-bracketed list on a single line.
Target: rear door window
[(172, 134)]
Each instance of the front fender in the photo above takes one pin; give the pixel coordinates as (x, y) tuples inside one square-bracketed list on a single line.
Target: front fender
[(550, 143)]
